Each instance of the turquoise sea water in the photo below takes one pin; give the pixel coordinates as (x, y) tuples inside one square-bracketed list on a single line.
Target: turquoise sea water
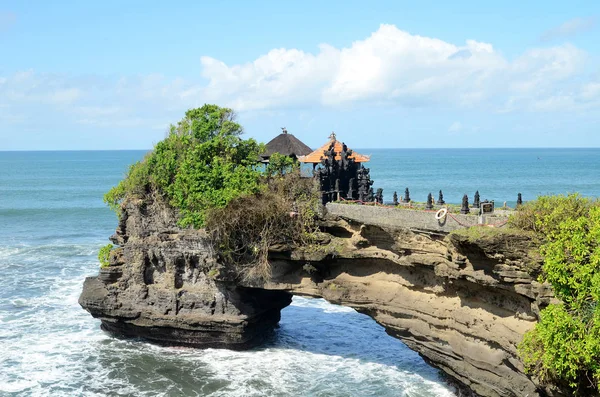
[(53, 221), (498, 174)]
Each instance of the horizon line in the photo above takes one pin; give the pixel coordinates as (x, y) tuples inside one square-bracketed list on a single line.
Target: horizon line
[(358, 148)]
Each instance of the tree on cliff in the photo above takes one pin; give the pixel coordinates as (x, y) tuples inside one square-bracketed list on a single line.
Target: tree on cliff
[(203, 163)]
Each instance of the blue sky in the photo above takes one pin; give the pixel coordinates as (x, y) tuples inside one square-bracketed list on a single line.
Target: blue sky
[(113, 75)]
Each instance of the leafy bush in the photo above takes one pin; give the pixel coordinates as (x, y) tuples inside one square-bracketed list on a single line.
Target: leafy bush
[(104, 254), (280, 164), (202, 164), (564, 347), (135, 184), (544, 214)]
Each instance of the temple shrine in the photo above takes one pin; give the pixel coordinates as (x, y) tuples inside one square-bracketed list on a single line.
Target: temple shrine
[(340, 172)]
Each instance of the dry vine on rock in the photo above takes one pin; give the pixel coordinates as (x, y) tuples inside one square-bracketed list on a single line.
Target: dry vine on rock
[(283, 213)]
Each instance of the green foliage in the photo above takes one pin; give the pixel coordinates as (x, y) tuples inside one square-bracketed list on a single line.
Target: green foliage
[(104, 254), (564, 350), (547, 212), (280, 165), (474, 234), (202, 164), (564, 347), (135, 184)]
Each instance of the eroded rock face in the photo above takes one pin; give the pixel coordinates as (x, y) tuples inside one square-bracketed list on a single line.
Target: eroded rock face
[(161, 285), (462, 303)]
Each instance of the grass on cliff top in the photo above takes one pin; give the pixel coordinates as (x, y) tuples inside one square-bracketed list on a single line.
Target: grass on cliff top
[(477, 233), (564, 347)]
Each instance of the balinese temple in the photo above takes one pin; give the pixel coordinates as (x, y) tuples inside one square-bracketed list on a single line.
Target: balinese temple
[(340, 172), (285, 144)]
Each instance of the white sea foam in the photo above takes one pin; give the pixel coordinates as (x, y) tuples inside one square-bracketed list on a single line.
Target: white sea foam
[(52, 347)]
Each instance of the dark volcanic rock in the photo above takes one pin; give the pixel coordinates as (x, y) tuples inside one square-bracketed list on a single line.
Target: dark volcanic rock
[(162, 286)]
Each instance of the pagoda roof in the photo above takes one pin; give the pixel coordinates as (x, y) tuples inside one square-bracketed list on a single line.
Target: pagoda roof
[(319, 154), (286, 144)]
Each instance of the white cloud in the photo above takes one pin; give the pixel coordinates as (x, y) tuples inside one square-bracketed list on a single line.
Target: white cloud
[(280, 77), (390, 66), (569, 28)]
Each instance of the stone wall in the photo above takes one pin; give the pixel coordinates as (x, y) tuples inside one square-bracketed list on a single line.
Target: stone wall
[(410, 219)]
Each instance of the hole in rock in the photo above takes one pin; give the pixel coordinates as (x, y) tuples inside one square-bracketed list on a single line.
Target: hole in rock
[(354, 350)]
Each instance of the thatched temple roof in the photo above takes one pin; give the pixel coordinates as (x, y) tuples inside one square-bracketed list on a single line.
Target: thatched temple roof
[(285, 144)]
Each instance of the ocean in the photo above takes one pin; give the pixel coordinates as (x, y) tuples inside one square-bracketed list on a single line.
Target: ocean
[(53, 221)]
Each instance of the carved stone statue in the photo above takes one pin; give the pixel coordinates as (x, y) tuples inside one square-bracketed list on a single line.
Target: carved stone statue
[(476, 200), (395, 198), (370, 195), (379, 196), (362, 194), (429, 205), (464, 209), (519, 200), (441, 199), (406, 198)]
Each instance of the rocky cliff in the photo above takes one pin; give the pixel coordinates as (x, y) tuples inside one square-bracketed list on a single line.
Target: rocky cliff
[(463, 300)]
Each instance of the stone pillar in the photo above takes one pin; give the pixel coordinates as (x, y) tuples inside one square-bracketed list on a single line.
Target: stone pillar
[(441, 199), (395, 198), (476, 200), (350, 189), (465, 205), (370, 195), (429, 205), (406, 198), (379, 196)]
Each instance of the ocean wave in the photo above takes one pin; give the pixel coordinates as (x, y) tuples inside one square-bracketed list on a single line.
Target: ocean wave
[(55, 250), (55, 348)]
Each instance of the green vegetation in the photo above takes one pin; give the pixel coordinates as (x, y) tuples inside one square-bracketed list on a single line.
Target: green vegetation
[(202, 164), (545, 214), (280, 165), (104, 254), (476, 233), (564, 347), (213, 177)]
